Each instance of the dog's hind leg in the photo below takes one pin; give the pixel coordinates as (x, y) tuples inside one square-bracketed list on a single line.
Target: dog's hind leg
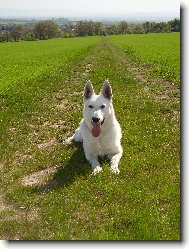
[(76, 137), (68, 140)]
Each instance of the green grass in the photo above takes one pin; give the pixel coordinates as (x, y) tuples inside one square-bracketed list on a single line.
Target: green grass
[(24, 61), (66, 202), (160, 51)]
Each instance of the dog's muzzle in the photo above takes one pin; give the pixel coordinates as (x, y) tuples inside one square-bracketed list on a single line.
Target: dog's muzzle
[(96, 126), (96, 120)]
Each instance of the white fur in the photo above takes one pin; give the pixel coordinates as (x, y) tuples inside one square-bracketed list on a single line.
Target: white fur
[(108, 143)]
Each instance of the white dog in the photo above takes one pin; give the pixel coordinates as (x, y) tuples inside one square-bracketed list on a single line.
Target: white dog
[(99, 129)]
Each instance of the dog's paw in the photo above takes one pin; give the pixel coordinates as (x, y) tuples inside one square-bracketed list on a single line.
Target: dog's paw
[(115, 170), (67, 141), (97, 170)]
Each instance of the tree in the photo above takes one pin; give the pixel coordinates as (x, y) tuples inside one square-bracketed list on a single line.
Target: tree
[(123, 27), (152, 27), (5, 36), (90, 28), (112, 30), (101, 30), (138, 29), (29, 36), (80, 28), (175, 25), (98, 28), (166, 27), (46, 30), (147, 27), (161, 27), (2, 38), (17, 32)]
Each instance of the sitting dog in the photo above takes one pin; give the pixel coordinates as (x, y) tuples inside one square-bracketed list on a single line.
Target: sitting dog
[(99, 129)]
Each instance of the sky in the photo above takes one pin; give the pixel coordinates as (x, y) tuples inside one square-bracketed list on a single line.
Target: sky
[(92, 7)]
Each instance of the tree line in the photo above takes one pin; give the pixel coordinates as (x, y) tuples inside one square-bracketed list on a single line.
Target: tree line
[(44, 30)]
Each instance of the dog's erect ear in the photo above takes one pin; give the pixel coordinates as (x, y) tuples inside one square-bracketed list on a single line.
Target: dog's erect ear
[(106, 90), (88, 91)]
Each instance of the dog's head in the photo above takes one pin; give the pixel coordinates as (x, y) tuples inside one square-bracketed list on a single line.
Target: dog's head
[(97, 108)]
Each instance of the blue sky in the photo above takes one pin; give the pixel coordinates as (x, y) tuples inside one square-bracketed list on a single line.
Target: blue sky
[(103, 7)]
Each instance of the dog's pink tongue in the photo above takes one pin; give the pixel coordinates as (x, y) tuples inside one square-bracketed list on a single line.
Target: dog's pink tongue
[(96, 129)]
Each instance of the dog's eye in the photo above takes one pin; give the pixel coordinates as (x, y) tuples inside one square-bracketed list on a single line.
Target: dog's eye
[(102, 106), (91, 106)]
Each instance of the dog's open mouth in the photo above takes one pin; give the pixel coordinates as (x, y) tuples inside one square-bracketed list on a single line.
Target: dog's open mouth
[(96, 129)]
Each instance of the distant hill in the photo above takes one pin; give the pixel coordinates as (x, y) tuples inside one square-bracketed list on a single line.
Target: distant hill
[(130, 17)]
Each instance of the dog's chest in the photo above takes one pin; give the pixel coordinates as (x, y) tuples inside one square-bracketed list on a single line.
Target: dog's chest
[(100, 146)]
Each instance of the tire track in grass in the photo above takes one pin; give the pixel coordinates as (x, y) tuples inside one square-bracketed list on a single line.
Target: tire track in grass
[(61, 101), (37, 125), (164, 90)]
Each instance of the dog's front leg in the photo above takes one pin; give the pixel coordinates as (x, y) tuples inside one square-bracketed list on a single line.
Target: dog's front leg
[(93, 160), (114, 162)]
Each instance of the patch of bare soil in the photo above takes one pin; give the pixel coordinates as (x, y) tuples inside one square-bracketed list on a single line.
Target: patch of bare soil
[(1, 166), (3, 204), (37, 178), (87, 69), (47, 144), (19, 157), (18, 213), (75, 93), (158, 88), (57, 125), (13, 129), (62, 104)]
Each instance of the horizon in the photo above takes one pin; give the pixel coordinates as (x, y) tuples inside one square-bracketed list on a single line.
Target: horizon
[(44, 14), (94, 9)]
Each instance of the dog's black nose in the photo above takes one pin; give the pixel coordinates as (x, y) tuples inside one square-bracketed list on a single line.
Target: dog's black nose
[(94, 119)]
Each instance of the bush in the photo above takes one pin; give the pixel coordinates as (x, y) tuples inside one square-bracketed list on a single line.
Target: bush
[(29, 36), (2, 38), (45, 30)]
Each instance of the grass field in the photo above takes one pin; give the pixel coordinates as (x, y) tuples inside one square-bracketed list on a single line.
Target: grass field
[(161, 52), (47, 191)]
